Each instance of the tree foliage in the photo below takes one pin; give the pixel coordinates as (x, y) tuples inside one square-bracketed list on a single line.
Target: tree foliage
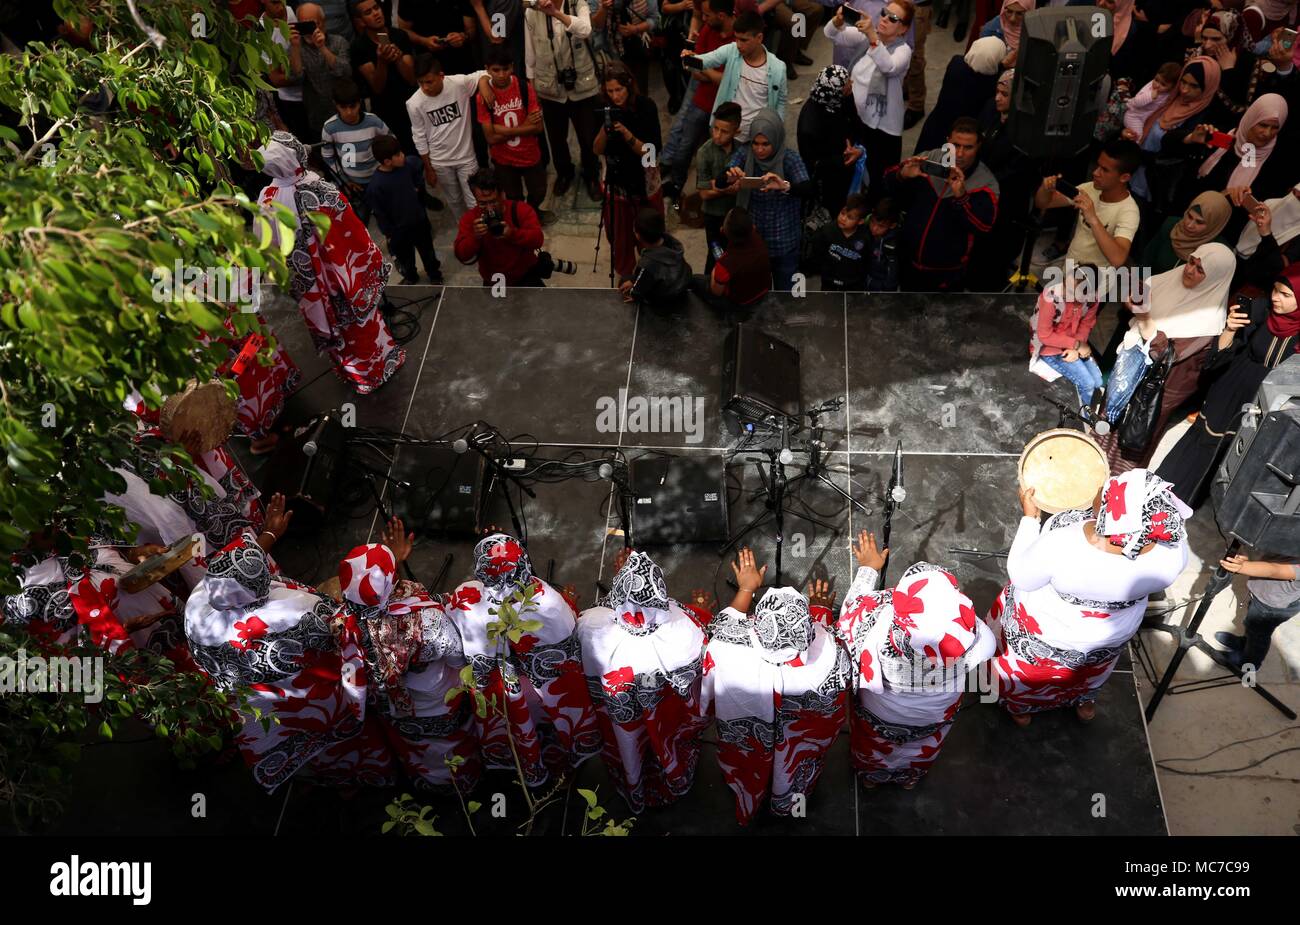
[(116, 162)]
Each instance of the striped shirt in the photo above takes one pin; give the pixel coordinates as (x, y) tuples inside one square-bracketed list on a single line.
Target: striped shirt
[(347, 147)]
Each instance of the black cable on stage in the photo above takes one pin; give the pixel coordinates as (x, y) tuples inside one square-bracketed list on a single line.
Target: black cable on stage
[(1244, 767), (1267, 735)]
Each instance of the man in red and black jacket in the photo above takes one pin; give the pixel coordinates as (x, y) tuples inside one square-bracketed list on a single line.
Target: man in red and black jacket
[(504, 235), (945, 213)]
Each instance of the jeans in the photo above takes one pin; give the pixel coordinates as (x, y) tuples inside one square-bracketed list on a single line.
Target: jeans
[(783, 270), (1260, 622), (1084, 375), (1130, 366), (688, 132)]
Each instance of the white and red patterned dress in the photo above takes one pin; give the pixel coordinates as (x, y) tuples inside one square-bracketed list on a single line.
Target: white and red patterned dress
[(643, 653), (299, 657), (61, 603), (414, 656), (538, 679), (912, 647), (776, 684), (1069, 610), (338, 280)]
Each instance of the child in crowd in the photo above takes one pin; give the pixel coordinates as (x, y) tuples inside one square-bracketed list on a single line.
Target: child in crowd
[(882, 270), (512, 124), (662, 274), (842, 249), (1274, 591), (1060, 340), (1149, 99), (743, 272), (394, 196), (347, 138), (711, 161)]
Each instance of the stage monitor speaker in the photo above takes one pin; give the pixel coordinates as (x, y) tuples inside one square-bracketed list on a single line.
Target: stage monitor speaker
[(305, 467), (446, 497), (1063, 60), (760, 377), (678, 499), (1256, 491)]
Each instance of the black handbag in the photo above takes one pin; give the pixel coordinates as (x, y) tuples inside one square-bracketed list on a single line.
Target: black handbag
[(1137, 423)]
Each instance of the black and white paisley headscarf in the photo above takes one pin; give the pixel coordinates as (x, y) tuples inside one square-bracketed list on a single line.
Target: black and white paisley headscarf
[(502, 565), (782, 620), (238, 577), (638, 595), (828, 89), (1138, 508)]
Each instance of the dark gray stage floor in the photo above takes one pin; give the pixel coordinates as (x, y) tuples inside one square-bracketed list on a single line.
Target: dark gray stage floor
[(949, 380)]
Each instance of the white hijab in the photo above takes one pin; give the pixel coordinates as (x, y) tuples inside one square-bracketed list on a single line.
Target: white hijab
[(1286, 223), (986, 54), (1200, 311), (284, 158)]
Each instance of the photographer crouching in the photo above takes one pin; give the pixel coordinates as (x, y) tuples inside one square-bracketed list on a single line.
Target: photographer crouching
[(505, 237)]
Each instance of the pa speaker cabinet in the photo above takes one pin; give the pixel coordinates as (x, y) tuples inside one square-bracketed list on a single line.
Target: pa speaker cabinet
[(1064, 56), (678, 499), (1257, 491), (446, 494), (760, 376), (305, 467)]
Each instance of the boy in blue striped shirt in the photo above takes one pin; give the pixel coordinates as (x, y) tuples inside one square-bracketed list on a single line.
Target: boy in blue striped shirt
[(348, 137)]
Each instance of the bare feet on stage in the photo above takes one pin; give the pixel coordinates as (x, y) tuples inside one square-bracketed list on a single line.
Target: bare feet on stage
[(1021, 719), (1086, 712)]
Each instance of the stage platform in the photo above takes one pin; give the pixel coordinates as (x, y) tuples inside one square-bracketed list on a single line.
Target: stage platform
[(946, 375)]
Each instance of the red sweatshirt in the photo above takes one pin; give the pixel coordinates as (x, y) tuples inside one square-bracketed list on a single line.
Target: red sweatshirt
[(1058, 334), (513, 257)]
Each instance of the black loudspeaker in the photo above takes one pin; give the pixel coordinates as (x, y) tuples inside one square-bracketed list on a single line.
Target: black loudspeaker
[(1064, 56), (678, 499), (760, 377), (1256, 491), (305, 468), (446, 494)]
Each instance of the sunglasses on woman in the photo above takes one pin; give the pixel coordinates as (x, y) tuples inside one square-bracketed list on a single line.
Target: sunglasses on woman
[(892, 17)]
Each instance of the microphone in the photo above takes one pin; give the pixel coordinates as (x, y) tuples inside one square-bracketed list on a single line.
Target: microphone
[(785, 456), (896, 490), (606, 471), (312, 447), (460, 445)]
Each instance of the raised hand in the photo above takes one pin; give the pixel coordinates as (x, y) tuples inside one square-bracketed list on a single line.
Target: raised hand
[(820, 594), (868, 554), (277, 518), (749, 577), (395, 537), (1028, 504)]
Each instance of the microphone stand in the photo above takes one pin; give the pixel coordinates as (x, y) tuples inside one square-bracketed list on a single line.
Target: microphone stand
[(891, 502)]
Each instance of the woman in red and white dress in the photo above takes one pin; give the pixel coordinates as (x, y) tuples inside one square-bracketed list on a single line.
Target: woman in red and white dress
[(642, 653), (338, 280), (537, 677), (913, 646), (414, 657), (299, 658), (775, 680), (1078, 591)]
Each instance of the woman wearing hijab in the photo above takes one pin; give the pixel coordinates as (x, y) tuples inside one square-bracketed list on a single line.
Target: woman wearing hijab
[(337, 280), (829, 137), (1233, 170), (775, 681), (1178, 238), (1260, 335), (1271, 241), (1077, 592), (298, 657), (537, 680), (1007, 26), (968, 86), (912, 647), (1183, 311), (643, 654), (776, 207), (1165, 132), (1222, 38), (413, 658), (1130, 42)]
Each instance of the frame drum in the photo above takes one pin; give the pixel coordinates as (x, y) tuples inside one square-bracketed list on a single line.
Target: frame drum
[(203, 408), (1066, 468)]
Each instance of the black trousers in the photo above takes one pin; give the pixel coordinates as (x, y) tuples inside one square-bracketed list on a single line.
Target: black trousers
[(404, 245), (1260, 622), (515, 179), (557, 117)]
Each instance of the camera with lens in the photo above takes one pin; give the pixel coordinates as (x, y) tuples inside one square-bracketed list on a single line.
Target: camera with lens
[(568, 77), (495, 225)]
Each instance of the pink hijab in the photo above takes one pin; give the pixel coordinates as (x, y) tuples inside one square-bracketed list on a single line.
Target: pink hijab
[(1011, 34), (1175, 111), (1268, 106)]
